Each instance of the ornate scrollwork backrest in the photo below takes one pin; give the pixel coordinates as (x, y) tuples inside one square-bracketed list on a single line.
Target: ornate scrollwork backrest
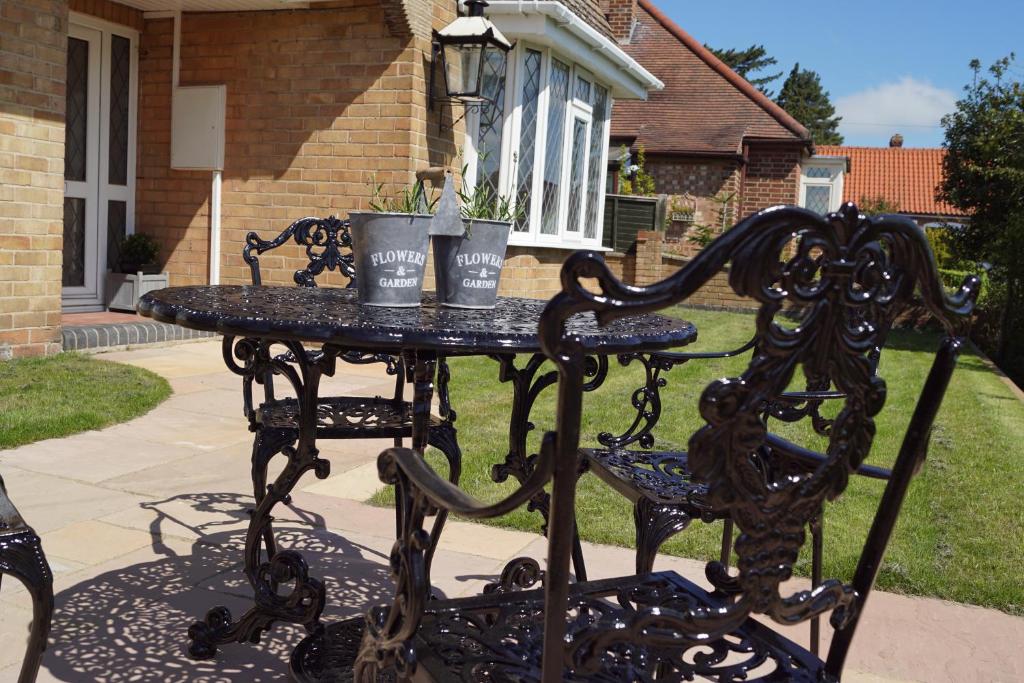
[(849, 276), (327, 242)]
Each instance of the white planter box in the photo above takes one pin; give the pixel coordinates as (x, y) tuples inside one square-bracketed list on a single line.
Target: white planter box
[(124, 289)]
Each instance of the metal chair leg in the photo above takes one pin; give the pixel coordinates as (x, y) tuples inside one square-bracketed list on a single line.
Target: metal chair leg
[(655, 524), (816, 554), (21, 556), (726, 553)]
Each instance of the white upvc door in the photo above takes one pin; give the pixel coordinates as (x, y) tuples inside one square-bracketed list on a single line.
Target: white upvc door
[(81, 272), (99, 155)]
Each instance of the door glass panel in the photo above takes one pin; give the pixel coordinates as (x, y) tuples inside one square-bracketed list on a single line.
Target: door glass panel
[(598, 139), (120, 71), (579, 149), (558, 91), (528, 137), (74, 242), (76, 126), (492, 116), (117, 222)]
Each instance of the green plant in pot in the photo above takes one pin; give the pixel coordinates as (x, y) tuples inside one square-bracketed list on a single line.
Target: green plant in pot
[(137, 253), (389, 245), (467, 266)]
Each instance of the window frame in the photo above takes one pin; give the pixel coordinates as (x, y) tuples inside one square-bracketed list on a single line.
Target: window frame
[(837, 168), (512, 130)]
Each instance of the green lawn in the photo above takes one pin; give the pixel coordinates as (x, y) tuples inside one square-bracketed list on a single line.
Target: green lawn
[(961, 535), (43, 398)]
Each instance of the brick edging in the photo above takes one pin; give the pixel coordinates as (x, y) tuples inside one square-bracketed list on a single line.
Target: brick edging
[(86, 337)]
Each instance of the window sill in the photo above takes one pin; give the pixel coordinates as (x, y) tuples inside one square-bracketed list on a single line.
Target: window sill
[(565, 246)]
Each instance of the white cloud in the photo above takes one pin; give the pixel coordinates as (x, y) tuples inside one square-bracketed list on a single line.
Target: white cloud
[(908, 106)]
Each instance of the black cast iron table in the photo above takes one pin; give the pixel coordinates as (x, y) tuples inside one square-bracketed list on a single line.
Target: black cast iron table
[(250, 316)]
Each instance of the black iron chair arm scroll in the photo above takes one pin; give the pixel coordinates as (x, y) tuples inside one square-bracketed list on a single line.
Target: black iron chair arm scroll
[(444, 495), (681, 357), (812, 459)]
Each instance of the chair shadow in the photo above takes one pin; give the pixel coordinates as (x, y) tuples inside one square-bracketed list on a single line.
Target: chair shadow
[(130, 624)]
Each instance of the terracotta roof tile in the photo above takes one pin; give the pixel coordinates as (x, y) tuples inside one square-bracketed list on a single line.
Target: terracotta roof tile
[(705, 108), (907, 176)]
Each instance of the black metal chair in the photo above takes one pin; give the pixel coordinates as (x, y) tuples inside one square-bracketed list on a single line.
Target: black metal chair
[(659, 626), (21, 556), (665, 498), (327, 246)]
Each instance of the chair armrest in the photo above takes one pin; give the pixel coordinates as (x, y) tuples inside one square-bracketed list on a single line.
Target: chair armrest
[(442, 494), (813, 458), (680, 357)]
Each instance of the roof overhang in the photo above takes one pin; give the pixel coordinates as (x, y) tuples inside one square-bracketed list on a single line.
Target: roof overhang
[(552, 24), (217, 5)]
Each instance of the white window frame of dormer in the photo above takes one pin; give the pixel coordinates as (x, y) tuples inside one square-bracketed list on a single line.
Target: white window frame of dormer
[(576, 110), (837, 171)]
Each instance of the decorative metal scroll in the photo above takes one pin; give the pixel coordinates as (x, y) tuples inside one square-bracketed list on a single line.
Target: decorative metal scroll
[(325, 241)]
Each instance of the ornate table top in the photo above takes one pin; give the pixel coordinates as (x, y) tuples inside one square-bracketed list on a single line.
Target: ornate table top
[(333, 315)]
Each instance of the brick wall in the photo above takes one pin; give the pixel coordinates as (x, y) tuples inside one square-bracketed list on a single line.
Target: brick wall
[(621, 14), (772, 177), (696, 183), (320, 104), (33, 62)]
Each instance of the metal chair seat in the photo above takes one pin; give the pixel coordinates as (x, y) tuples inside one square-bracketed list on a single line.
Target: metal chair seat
[(662, 477), (346, 417), (498, 637)]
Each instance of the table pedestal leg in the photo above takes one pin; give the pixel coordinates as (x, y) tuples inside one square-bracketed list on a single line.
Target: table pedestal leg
[(305, 600)]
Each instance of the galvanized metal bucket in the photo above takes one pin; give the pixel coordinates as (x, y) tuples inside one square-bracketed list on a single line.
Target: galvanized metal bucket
[(390, 252), (467, 268)]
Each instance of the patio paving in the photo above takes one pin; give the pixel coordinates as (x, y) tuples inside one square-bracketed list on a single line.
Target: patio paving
[(144, 522)]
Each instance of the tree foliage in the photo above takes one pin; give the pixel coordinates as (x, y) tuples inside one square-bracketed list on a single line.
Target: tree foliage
[(633, 177), (983, 175), (747, 63), (806, 101)]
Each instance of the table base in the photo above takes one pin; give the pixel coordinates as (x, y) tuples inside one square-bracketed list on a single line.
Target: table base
[(330, 654)]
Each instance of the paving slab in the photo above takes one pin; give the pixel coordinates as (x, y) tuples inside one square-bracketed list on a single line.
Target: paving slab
[(144, 523)]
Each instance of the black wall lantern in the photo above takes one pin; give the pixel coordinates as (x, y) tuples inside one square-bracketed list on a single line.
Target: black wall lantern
[(462, 50)]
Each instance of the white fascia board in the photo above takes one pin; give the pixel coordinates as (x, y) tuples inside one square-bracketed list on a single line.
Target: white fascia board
[(552, 24)]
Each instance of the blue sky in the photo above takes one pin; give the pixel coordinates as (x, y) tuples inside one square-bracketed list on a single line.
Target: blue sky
[(888, 66)]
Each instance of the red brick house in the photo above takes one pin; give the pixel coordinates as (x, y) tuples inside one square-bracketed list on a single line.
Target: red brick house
[(301, 105), (905, 177), (713, 141)]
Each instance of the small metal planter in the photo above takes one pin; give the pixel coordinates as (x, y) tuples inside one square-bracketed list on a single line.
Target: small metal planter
[(390, 251), (467, 268)]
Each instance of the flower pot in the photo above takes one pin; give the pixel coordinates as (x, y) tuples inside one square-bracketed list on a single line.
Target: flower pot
[(467, 268), (390, 252)]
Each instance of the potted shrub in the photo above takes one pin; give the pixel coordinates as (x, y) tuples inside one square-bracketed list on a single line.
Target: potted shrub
[(389, 246), (137, 273), (467, 267)]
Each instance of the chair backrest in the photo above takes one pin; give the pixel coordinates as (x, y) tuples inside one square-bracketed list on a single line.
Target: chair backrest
[(327, 242), (850, 276)]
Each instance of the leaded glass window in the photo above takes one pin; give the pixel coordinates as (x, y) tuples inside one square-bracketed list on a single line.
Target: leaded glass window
[(577, 169), (818, 172), (120, 75), (558, 96), (818, 198), (492, 118), (528, 137), (582, 89), (76, 121), (598, 139)]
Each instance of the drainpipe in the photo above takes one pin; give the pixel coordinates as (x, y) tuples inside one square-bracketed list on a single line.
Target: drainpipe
[(215, 185)]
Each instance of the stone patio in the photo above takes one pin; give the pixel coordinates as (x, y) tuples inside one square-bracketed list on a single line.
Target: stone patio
[(143, 524)]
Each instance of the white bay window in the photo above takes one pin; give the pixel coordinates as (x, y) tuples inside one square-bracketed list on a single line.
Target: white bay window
[(543, 140)]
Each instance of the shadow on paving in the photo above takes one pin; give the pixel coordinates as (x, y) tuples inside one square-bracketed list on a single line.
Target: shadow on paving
[(131, 623)]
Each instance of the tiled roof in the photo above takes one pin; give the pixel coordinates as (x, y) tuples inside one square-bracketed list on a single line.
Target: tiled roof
[(705, 108), (589, 11), (907, 176)]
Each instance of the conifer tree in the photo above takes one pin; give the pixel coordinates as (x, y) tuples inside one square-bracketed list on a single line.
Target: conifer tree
[(748, 62), (805, 100)]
